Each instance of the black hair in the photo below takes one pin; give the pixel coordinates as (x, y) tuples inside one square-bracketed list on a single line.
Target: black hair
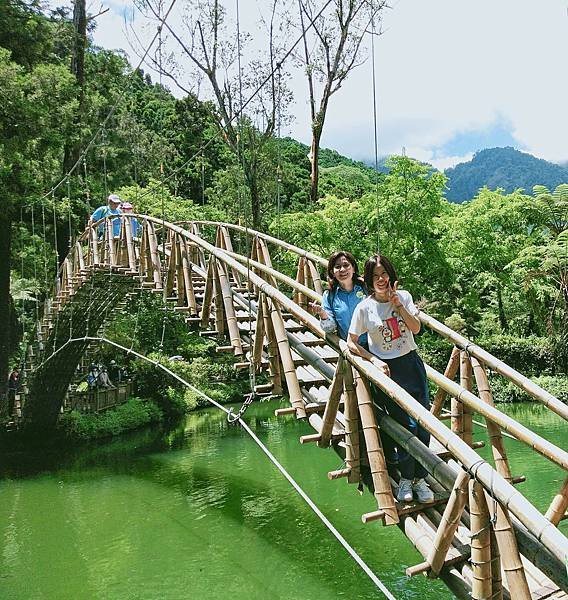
[(331, 280), (374, 261)]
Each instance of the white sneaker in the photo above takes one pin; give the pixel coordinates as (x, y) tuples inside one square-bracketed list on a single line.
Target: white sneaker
[(422, 491), (404, 490)]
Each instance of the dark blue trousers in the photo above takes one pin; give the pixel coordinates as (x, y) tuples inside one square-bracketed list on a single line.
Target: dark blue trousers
[(409, 372)]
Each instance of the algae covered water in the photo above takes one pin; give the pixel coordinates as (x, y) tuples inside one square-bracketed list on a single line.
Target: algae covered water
[(200, 512)]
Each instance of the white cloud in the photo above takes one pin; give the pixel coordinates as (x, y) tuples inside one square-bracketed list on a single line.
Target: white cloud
[(444, 68)]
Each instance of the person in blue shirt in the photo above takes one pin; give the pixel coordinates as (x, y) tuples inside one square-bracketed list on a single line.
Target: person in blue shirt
[(126, 208), (112, 208), (346, 290)]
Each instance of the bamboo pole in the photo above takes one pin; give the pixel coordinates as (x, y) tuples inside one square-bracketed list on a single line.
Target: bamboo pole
[(332, 405), (232, 324), (450, 373), (258, 337), (377, 462), (465, 382), (314, 276), (495, 364), (170, 265), (110, 242), (180, 281), (227, 244), (449, 524), (496, 581), (220, 316), (493, 430), (480, 542), (294, 391), (94, 245), (188, 279), (557, 508), (352, 451), (208, 294), (299, 297), (272, 347), (509, 551), (154, 255), (130, 245)]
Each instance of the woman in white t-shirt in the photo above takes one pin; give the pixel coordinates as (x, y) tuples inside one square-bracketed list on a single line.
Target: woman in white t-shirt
[(389, 317)]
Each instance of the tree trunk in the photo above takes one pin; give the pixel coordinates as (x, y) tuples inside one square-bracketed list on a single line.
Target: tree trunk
[(5, 304), (314, 157), (73, 147)]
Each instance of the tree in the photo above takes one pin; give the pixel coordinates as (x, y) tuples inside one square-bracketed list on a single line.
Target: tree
[(247, 101), (332, 49)]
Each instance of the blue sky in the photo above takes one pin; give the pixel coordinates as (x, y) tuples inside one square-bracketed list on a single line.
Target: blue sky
[(453, 77)]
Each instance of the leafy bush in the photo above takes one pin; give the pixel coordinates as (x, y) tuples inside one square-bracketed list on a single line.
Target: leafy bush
[(504, 391), (132, 415), (530, 355)]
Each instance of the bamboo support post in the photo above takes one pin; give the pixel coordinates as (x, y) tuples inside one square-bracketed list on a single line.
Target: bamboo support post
[(130, 251), (208, 294), (377, 462), (557, 509), (480, 542), (450, 373), (94, 246), (314, 276), (258, 338), (300, 298), (109, 233), (496, 580), (220, 316), (332, 405), (493, 430), (285, 353), (232, 324), (338, 474), (509, 551), (272, 348), (154, 255), (449, 524), (465, 382), (352, 450)]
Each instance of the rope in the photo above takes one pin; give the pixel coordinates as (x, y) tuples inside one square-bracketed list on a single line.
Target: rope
[(366, 569), (375, 127)]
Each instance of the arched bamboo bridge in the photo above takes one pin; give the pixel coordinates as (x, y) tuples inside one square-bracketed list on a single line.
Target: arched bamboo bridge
[(481, 536)]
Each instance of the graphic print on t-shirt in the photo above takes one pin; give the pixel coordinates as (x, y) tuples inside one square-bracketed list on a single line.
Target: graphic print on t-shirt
[(394, 328)]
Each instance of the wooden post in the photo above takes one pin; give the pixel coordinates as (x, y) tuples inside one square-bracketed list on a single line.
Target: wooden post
[(449, 524), (450, 373), (286, 357), (232, 324), (496, 581), (465, 382), (480, 542), (352, 451), (557, 508), (377, 462), (272, 347), (332, 404), (494, 431)]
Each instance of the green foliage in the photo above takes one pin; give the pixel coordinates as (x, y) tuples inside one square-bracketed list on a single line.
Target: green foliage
[(132, 415), (504, 391), (530, 355)]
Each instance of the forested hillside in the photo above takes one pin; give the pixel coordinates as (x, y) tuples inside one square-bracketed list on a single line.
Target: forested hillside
[(502, 168), (498, 264)]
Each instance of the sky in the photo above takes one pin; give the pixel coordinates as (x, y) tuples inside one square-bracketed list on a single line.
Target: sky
[(452, 77)]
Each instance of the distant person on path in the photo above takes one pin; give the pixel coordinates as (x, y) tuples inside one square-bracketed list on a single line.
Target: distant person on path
[(114, 371), (390, 318), (126, 208), (112, 208), (103, 379), (13, 387)]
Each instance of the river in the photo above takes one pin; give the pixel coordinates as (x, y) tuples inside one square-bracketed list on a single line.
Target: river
[(201, 513)]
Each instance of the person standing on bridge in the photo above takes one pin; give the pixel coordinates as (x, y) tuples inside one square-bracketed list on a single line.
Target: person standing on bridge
[(346, 290), (13, 388), (126, 208), (112, 208), (389, 317)]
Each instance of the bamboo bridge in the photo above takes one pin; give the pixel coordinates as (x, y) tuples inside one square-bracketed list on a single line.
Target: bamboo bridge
[(481, 536)]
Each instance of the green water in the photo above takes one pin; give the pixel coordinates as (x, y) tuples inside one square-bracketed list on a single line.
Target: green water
[(201, 513)]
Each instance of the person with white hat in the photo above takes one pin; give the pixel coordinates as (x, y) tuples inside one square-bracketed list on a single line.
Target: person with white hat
[(111, 208), (126, 208)]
